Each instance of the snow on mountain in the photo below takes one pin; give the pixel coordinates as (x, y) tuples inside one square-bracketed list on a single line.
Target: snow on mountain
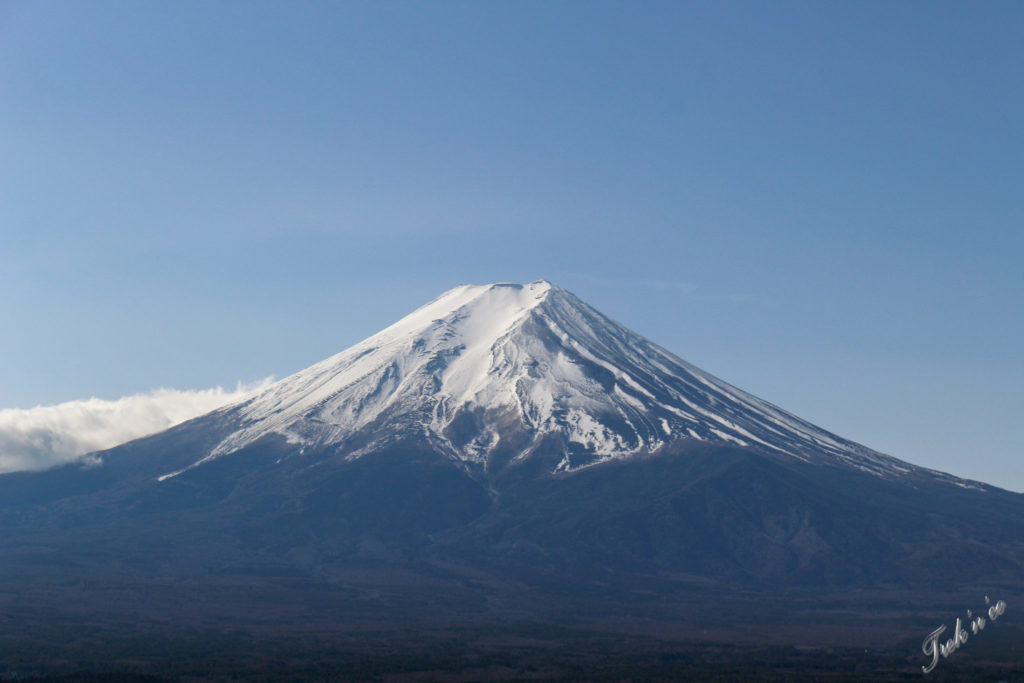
[(485, 366)]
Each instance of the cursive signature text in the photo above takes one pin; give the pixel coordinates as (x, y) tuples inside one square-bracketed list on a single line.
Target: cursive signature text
[(933, 648)]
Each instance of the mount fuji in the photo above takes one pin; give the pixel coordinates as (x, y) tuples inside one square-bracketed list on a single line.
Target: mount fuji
[(488, 375), (504, 452)]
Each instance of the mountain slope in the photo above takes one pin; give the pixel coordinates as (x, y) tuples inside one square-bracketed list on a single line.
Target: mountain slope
[(487, 373)]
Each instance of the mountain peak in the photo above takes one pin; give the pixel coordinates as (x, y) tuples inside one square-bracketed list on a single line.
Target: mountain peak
[(491, 374), (495, 304)]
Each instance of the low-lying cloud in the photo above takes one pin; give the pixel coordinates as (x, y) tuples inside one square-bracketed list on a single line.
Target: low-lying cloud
[(45, 436)]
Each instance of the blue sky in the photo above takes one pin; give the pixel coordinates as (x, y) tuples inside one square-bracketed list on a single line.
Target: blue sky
[(818, 202)]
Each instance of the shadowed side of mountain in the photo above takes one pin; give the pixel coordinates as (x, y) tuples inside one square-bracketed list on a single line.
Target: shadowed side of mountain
[(737, 516), (728, 515)]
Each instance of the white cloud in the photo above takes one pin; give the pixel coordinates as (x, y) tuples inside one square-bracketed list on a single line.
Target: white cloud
[(44, 436)]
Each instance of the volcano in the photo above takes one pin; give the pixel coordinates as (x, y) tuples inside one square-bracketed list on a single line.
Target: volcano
[(504, 452)]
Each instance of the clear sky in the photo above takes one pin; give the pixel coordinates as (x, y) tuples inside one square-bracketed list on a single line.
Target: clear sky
[(820, 202)]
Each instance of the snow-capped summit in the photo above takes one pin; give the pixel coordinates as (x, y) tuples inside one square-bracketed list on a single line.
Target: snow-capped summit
[(502, 368)]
